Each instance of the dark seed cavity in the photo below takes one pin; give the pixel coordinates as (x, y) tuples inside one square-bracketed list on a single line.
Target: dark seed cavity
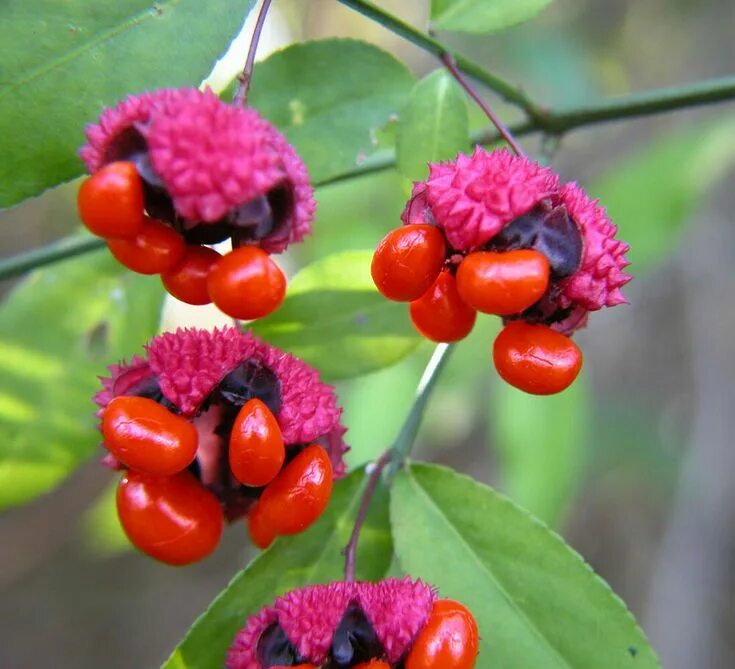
[(151, 389), (355, 640), (251, 379), (275, 649), (126, 146), (265, 216), (549, 231)]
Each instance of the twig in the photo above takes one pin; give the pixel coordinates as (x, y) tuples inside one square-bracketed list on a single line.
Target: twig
[(506, 134), (407, 436), (66, 247), (350, 551), (246, 76), (395, 456)]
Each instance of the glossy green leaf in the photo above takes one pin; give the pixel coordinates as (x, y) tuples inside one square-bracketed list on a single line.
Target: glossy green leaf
[(433, 125), (63, 62), (334, 318), (59, 329), (537, 603), (651, 194), (542, 446), (292, 562), (330, 98), (483, 16)]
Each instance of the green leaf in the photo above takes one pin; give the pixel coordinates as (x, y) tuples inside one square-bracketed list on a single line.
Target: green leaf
[(483, 16), (651, 194), (537, 603), (292, 562), (334, 318), (433, 125), (58, 331), (330, 98), (63, 62), (542, 444)]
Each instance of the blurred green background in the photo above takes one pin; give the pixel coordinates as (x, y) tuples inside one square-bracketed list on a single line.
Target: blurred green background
[(632, 464)]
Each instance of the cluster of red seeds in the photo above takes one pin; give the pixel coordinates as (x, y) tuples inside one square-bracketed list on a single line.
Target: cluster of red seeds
[(502, 247), (410, 265), (359, 625), (164, 510), (199, 444), (245, 283)]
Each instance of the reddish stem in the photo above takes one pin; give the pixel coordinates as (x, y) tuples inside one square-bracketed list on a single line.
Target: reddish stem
[(506, 134), (350, 551), (245, 77)]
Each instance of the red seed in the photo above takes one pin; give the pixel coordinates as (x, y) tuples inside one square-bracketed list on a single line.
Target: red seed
[(110, 202), (503, 283), (407, 261), (246, 284), (535, 358), (441, 314), (157, 248), (146, 436), (171, 518), (256, 450), (449, 640)]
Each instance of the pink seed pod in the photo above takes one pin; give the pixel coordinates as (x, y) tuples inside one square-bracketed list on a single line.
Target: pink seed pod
[(317, 624), (499, 201), (210, 169)]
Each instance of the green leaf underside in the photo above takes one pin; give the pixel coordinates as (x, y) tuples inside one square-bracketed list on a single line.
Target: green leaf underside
[(542, 446), (433, 125), (331, 98), (292, 562), (334, 318), (94, 313), (651, 194), (538, 604), (483, 16), (86, 56)]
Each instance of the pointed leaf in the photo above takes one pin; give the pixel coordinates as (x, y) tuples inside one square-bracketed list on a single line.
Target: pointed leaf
[(536, 601)]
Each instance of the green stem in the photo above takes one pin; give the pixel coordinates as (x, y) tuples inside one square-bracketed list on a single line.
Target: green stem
[(66, 247), (506, 90), (646, 103), (404, 442), (393, 458)]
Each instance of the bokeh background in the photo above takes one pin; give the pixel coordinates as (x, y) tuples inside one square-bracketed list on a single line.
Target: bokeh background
[(633, 465)]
